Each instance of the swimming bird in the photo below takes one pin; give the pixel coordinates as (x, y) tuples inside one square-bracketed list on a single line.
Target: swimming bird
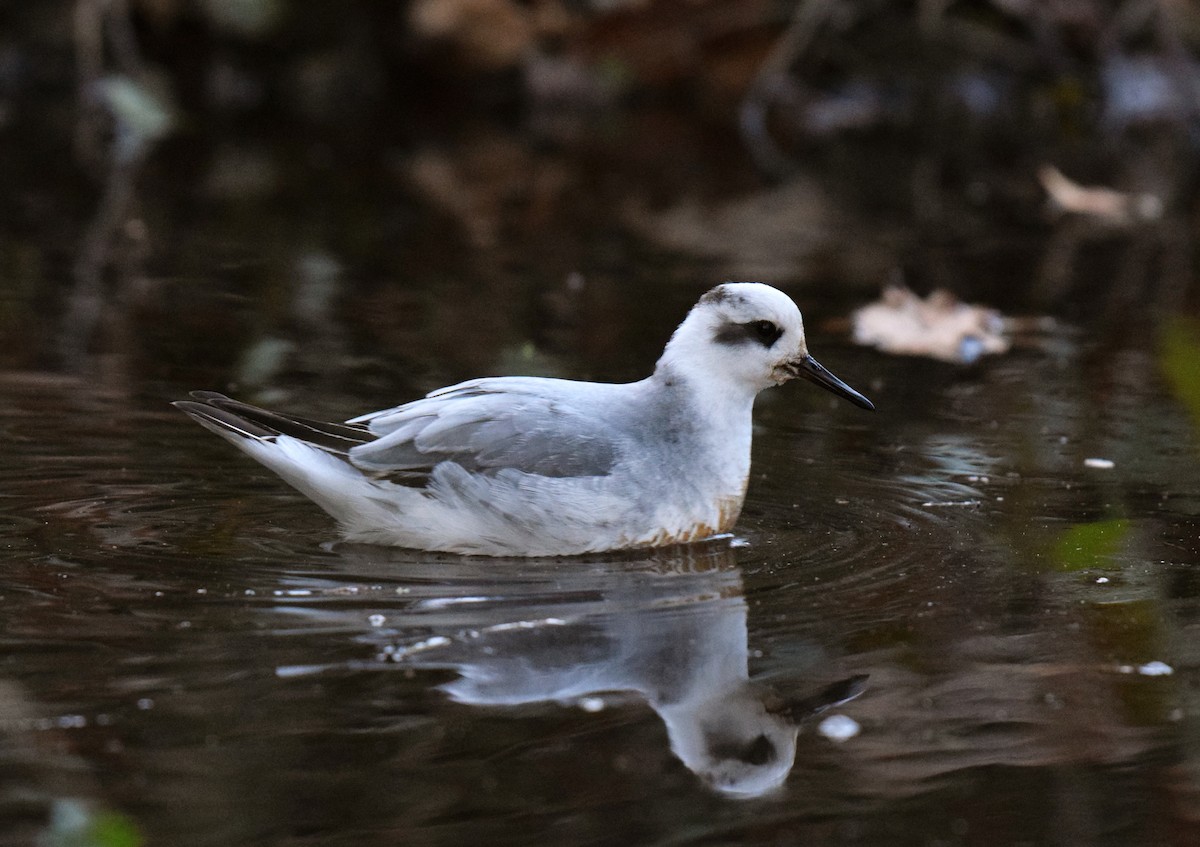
[(533, 466)]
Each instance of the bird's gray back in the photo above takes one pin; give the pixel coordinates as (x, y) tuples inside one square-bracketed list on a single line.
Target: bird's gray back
[(545, 427)]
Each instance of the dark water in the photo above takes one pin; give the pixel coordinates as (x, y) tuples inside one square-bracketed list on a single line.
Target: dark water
[(187, 654), (188, 657)]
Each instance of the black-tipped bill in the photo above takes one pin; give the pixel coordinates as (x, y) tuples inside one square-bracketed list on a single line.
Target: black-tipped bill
[(812, 370)]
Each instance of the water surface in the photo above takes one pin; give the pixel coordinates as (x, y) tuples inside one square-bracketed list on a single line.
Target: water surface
[(189, 652)]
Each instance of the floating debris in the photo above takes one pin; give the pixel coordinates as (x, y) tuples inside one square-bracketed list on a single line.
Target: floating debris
[(1101, 464), (1107, 205), (839, 728), (940, 326), (1154, 668)]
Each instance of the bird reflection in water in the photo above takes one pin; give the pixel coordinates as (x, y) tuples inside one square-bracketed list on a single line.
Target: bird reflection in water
[(668, 626)]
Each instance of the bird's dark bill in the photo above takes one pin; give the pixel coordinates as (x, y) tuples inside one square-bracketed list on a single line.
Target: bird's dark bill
[(812, 370)]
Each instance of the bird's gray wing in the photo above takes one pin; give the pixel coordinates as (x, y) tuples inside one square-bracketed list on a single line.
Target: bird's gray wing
[(486, 429)]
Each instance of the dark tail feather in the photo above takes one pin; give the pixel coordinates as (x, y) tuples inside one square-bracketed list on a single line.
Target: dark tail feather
[(220, 421), (828, 697), (217, 410)]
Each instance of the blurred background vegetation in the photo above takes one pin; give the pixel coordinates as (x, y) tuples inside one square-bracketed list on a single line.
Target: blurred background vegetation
[(334, 206), (194, 186)]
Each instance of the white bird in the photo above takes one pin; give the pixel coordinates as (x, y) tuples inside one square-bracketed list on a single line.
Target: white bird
[(532, 466)]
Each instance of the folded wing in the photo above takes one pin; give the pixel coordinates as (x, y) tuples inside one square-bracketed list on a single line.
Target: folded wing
[(486, 426)]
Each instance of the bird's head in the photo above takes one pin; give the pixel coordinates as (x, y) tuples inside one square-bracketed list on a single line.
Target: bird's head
[(749, 335)]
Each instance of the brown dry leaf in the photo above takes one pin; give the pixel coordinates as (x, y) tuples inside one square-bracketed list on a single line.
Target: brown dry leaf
[(668, 42), (471, 192), (1105, 204), (491, 185), (769, 235), (490, 34), (940, 326)]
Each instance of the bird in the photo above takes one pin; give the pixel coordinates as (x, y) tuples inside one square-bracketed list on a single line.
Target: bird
[(537, 466)]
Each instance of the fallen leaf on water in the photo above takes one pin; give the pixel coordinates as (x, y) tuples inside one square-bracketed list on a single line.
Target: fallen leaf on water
[(490, 34), (940, 326), (1105, 204), (771, 235)]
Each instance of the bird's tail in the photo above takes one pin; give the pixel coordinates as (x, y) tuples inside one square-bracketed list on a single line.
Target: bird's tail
[(233, 419), (309, 455)]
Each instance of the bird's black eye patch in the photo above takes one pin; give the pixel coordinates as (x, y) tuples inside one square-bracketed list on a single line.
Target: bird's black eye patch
[(765, 333), (759, 751)]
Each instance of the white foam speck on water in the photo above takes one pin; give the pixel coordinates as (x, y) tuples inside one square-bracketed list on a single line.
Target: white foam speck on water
[(398, 653), (1156, 669), (288, 671), (503, 627), (839, 728), (1101, 464), (446, 602)]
